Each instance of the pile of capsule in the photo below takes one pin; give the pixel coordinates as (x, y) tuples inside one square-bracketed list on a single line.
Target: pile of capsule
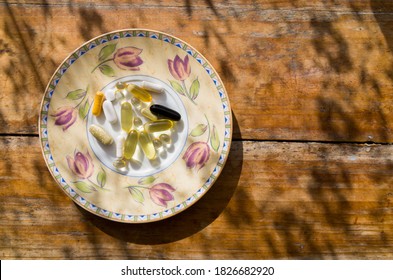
[(134, 131)]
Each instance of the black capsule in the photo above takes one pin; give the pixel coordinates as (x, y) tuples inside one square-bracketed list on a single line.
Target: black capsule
[(164, 112)]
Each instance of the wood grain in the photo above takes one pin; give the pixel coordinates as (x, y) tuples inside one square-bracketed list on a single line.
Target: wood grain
[(294, 70), (272, 201)]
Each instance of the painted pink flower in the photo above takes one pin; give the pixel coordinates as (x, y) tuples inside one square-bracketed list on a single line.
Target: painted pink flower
[(81, 164), (128, 58), (65, 116), (180, 69), (197, 155), (160, 194)]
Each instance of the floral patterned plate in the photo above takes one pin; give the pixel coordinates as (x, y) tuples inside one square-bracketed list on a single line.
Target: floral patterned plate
[(145, 190)]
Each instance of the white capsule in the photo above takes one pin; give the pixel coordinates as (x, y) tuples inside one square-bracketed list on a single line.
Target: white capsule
[(120, 146), (152, 87), (110, 95), (109, 112)]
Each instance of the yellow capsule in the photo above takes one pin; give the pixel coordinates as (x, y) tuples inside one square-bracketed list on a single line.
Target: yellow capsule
[(146, 113), (130, 144), (159, 125), (147, 145), (97, 105), (126, 116), (140, 93)]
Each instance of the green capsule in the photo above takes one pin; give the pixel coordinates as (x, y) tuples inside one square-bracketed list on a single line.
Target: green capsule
[(165, 138), (147, 145), (130, 144), (126, 116), (140, 93), (159, 125)]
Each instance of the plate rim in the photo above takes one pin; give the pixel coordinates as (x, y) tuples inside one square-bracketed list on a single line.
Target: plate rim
[(96, 212)]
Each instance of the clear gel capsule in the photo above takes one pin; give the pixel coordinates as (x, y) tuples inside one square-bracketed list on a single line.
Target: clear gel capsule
[(136, 102), (147, 145), (109, 112), (157, 143), (137, 122), (97, 105), (159, 125), (126, 116), (164, 112), (119, 163), (121, 85), (140, 93), (147, 114), (152, 87), (119, 95), (130, 144), (165, 138), (100, 134)]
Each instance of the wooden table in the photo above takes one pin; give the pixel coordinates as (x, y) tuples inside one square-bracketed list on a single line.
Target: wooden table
[(309, 174)]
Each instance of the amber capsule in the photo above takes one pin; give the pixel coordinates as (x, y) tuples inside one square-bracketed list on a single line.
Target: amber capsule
[(140, 93), (126, 116), (159, 125), (97, 105), (146, 113), (164, 112), (130, 144), (147, 145)]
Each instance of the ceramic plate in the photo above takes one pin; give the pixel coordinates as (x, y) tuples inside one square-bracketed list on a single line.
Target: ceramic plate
[(145, 190)]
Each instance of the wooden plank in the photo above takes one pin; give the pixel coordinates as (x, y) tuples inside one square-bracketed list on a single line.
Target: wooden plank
[(299, 74), (273, 201), (341, 6)]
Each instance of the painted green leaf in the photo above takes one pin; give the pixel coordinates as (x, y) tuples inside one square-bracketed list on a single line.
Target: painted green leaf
[(177, 87), (84, 187), (107, 70), (106, 52), (198, 130), (214, 141), (194, 89), (136, 194), (84, 109), (101, 178), (76, 94), (147, 180)]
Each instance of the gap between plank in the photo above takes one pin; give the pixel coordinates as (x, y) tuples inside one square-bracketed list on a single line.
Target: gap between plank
[(247, 140)]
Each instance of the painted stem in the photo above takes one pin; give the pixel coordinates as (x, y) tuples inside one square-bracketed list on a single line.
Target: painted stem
[(208, 130), (80, 102), (110, 59), (186, 91)]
